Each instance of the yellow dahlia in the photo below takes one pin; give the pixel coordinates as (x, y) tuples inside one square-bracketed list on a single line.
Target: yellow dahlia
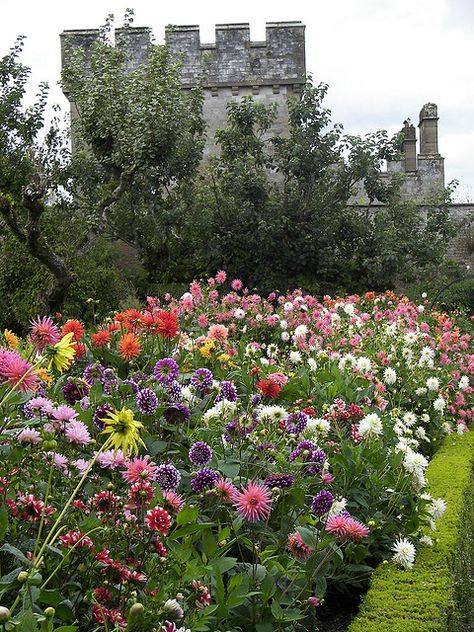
[(62, 353), (124, 430)]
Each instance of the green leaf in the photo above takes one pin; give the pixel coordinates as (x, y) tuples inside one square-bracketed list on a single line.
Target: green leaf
[(8, 548), (223, 564), (50, 597), (3, 521), (27, 622), (187, 515), (67, 628)]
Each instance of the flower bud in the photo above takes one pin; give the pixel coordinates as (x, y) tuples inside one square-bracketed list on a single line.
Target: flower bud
[(5, 614), (173, 610), (49, 612), (22, 577)]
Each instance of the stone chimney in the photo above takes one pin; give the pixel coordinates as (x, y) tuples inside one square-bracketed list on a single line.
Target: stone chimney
[(429, 130), (409, 147)]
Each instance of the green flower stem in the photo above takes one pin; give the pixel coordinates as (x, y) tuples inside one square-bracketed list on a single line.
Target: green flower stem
[(48, 579), (48, 489), (53, 533)]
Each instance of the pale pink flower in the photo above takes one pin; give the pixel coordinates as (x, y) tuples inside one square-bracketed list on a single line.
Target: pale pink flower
[(221, 276), (29, 435), (112, 459), (77, 432), (218, 332), (82, 465), (64, 413)]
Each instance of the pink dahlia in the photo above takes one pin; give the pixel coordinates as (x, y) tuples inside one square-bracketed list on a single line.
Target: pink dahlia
[(355, 530), (77, 432), (29, 435), (172, 501), (225, 489), (347, 528), (64, 413), (43, 332), (16, 371), (139, 469), (336, 525), (254, 502)]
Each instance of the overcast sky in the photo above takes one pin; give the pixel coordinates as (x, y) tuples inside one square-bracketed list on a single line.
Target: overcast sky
[(382, 59)]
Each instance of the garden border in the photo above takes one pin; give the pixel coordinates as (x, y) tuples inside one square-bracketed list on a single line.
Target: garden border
[(435, 596)]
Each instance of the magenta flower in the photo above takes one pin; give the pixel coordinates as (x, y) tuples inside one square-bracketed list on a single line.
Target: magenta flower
[(16, 371)]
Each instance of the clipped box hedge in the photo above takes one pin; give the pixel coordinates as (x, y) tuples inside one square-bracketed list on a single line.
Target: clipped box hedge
[(436, 595)]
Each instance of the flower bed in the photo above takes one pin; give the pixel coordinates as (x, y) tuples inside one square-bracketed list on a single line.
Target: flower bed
[(436, 596), (221, 460)]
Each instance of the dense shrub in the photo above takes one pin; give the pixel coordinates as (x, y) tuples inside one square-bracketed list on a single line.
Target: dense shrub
[(436, 596)]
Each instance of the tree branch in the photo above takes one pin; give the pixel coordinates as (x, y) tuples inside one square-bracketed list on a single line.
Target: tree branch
[(105, 206)]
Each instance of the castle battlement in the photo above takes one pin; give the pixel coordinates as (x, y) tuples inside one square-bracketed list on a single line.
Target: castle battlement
[(234, 60)]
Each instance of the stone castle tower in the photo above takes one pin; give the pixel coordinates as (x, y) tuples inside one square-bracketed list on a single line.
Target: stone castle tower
[(229, 69)]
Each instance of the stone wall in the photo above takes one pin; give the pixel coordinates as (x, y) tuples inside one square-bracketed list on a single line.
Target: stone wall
[(271, 71), (232, 67)]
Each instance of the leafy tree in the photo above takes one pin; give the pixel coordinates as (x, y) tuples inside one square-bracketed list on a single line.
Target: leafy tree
[(136, 136), (285, 211)]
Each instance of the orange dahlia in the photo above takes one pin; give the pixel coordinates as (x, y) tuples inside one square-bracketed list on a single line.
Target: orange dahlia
[(101, 338), (129, 346), (75, 327)]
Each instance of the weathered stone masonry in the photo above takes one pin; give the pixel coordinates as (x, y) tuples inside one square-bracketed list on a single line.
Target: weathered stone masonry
[(271, 71)]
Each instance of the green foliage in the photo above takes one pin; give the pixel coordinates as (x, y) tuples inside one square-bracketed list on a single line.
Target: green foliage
[(280, 212), (24, 284), (436, 595)]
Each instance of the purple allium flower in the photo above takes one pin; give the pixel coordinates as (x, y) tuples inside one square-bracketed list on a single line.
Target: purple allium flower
[(176, 413), (73, 392), (93, 373), (200, 453), (279, 480), (308, 446), (227, 391), (28, 411), (139, 378), (166, 370), (201, 379), (322, 502), (147, 401), (100, 414), (296, 422), (167, 477), (133, 385), (204, 479), (175, 392)]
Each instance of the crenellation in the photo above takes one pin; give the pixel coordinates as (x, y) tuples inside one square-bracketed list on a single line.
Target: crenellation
[(271, 71)]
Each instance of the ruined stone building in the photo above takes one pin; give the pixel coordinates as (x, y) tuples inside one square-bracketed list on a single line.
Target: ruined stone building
[(271, 71)]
